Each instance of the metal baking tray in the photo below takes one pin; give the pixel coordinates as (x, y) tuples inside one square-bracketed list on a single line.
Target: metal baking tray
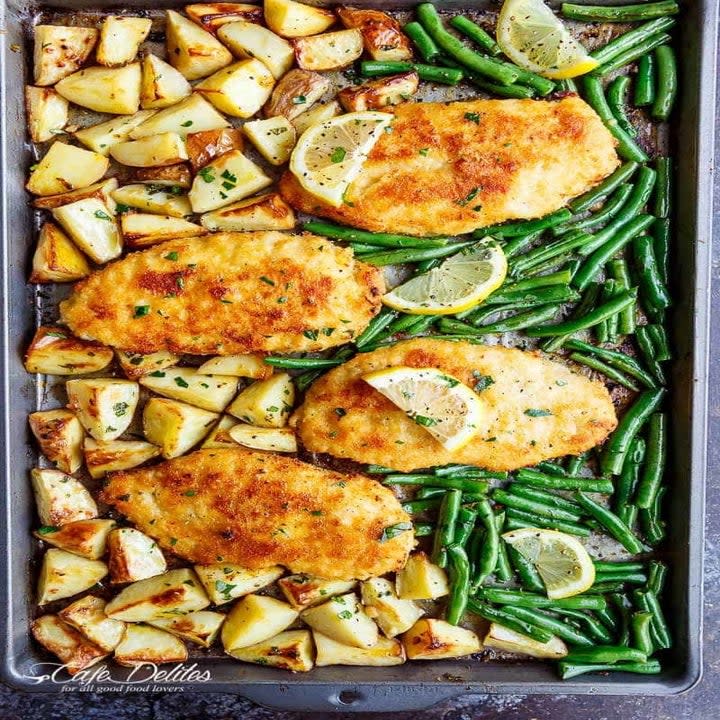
[(414, 685)]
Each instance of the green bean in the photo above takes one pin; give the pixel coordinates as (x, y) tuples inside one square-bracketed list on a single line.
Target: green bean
[(379, 470), (429, 492), (658, 336), (422, 325), (551, 624), (606, 654), (506, 619), (425, 265), (375, 327), (425, 45), (509, 324), (303, 381), (469, 471), (402, 323), (594, 628), (628, 479), (529, 577), (610, 288), (593, 264), (540, 296), (521, 598), (623, 606), (459, 583), (348, 234), (430, 73), (567, 86), (525, 226), (626, 146), (617, 100), (411, 255), (661, 244), (647, 349), (450, 45), (659, 623), (620, 13), (445, 532), (624, 576), (666, 83), (632, 54), (645, 81), (605, 369), (600, 313), (559, 261), (518, 519), (563, 277), (540, 84), (464, 526), (470, 485), (657, 575), (609, 619), (652, 287), (587, 303), (361, 248), (618, 269), (301, 363), (417, 506), (519, 92), (519, 243), (573, 467), (569, 670), (503, 570), (654, 466), (615, 358), (545, 497), (475, 33), (603, 566), (611, 522), (640, 624), (551, 468), (611, 207), (542, 253), (632, 39), (486, 560), (663, 167), (543, 509), (527, 476), (607, 186)]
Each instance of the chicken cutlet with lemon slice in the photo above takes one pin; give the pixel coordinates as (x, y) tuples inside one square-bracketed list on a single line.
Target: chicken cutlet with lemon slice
[(531, 409), (450, 168)]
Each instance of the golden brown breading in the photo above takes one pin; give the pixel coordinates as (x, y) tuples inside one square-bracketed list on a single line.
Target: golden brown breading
[(536, 409), (259, 509), (451, 168), (228, 293)]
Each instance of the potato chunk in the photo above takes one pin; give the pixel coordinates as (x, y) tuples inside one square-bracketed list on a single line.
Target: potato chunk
[(106, 90), (219, 437), (60, 436), (104, 406), (152, 200), (141, 230), (240, 89), (56, 259), (60, 498), (155, 151), (247, 39), (253, 619), (294, 19), (104, 135), (87, 538), (91, 225), (316, 115), (432, 639), (214, 15), (162, 85), (143, 644), (66, 167), (73, 650), (393, 615), (377, 94), (191, 115), (120, 39), (382, 36), (210, 392), (502, 638), (249, 366), (305, 590), (343, 619), (47, 113), (273, 138), (175, 426), (60, 51), (384, 653), (329, 51), (175, 592), (420, 579), (64, 574), (55, 352), (265, 403), (201, 627), (192, 50), (260, 212), (271, 439), (135, 365), (205, 146), (296, 92), (224, 582), (290, 650), (87, 615), (172, 175), (133, 556), (112, 455), (100, 191)]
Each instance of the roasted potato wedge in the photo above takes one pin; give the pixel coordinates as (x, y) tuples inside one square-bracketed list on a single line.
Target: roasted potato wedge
[(393, 615), (153, 200), (144, 229), (209, 392), (305, 590), (219, 437), (229, 178), (66, 167), (60, 51), (60, 498), (65, 574), (214, 15), (91, 224), (271, 439), (143, 644), (191, 50), (261, 212), (292, 19), (205, 146), (133, 556), (247, 39), (87, 615), (329, 51), (273, 138), (156, 150), (162, 85), (120, 39), (248, 366), (383, 653), (343, 619), (171, 176), (191, 115), (175, 426), (47, 113), (175, 592), (502, 638), (72, 649), (265, 403), (104, 457), (290, 650), (105, 90), (105, 406), (55, 352), (254, 619), (296, 92), (382, 36), (421, 579), (240, 89), (87, 538), (317, 114), (101, 191), (103, 136), (135, 365), (201, 627), (56, 259), (377, 94), (433, 639), (60, 436), (224, 582)]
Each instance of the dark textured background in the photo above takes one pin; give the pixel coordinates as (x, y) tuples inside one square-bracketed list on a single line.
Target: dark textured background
[(700, 703)]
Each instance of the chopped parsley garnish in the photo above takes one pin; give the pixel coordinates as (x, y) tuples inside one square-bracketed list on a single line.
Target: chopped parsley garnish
[(120, 408), (180, 382), (102, 215), (267, 280), (345, 615), (425, 421), (340, 412), (468, 198), (311, 334), (47, 529), (338, 155), (473, 117), (141, 311), (157, 373), (224, 588), (206, 174), (190, 493), (424, 151), (537, 412), (483, 381), (121, 208), (172, 256), (392, 531), (299, 100), (187, 123)]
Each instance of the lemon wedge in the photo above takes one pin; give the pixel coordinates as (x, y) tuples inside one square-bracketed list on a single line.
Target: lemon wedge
[(329, 155), (448, 409), (459, 283), (535, 39), (561, 560)]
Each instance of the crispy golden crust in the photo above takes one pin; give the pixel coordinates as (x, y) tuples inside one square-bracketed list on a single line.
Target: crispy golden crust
[(258, 509), (228, 293), (482, 162), (517, 433)]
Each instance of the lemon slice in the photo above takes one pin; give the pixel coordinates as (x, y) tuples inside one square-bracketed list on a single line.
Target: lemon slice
[(449, 410), (561, 560), (534, 38), (460, 282), (329, 155)]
